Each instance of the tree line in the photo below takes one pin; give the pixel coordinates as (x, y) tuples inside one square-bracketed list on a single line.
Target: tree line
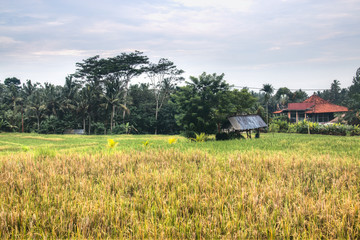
[(101, 98)]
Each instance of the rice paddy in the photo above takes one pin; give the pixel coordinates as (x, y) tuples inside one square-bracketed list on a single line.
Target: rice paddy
[(279, 186)]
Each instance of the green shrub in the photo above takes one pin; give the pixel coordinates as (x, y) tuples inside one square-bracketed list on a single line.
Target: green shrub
[(222, 136), (316, 128), (98, 128), (202, 137), (292, 128), (282, 125), (119, 129), (52, 125), (228, 136), (355, 131), (236, 135), (274, 127), (188, 134)]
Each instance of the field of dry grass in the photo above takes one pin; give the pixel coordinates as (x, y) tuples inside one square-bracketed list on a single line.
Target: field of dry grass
[(279, 186)]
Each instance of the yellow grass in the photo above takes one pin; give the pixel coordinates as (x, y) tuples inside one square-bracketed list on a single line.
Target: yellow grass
[(43, 138), (176, 193)]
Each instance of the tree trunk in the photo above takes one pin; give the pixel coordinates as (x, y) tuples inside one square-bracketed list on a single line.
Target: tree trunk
[(38, 123), (84, 124), (124, 111), (89, 125), (22, 119), (156, 116), (125, 98), (112, 118)]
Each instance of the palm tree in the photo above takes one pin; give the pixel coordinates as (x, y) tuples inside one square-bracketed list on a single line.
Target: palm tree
[(283, 100), (68, 96), (83, 104), (36, 105), (268, 90), (14, 97), (113, 91), (52, 94)]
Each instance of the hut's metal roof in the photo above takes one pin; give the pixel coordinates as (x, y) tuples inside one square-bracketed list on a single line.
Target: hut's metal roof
[(247, 122)]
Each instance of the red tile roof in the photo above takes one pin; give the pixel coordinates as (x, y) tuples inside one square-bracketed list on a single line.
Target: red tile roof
[(280, 111), (299, 106), (327, 108)]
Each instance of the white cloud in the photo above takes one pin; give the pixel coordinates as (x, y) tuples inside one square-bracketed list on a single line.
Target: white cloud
[(109, 27), (330, 35), (333, 16), (7, 40), (256, 37), (328, 59), (232, 5), (296, 43), (61, 22), (275, 48), (64, 52)]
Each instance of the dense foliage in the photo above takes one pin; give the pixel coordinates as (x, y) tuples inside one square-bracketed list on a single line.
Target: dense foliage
[(100, 97), (314, 128), (205, 103)]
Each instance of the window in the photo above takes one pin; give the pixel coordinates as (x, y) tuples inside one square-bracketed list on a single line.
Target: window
[(301, 116), (293, 117), (323, 117)]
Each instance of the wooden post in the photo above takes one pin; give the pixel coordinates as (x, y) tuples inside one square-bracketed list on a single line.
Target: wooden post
[(248, 134), (297, 116), (22, 119)]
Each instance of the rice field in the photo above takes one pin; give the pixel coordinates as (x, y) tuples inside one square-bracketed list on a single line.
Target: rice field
[(279, 186)]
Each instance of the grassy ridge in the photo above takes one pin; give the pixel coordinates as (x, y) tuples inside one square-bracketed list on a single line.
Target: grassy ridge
[(285, 143), (279, 186)]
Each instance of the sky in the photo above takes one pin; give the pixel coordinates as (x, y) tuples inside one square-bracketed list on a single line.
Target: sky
[(287, 43)]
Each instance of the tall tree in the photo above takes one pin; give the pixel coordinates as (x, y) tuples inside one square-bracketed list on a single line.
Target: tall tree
[(198, 102), (91, 72), (141, 108), (283, 96), (68, 102), (233, 103), (335, 91), (164, 77), (268, 90), (100, 75), (13, 96), (82, 104), (127, 66), (299, 96), (52, 96), (114, 89), (28, 89), (353, 102), (36, 105)]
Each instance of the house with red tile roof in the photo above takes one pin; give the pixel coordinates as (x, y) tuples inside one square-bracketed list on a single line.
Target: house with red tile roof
[(314, 109)]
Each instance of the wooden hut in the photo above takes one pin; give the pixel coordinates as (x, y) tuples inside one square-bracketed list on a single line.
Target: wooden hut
[(246, 123)]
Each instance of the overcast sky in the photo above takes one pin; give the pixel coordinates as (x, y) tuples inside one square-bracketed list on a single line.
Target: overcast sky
[(292, 43)]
